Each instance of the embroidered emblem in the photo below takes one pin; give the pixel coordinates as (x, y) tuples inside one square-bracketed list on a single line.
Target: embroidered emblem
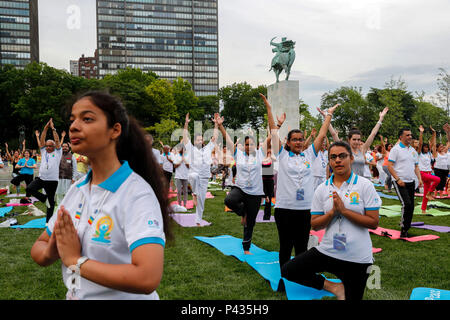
[(103, 230), (354, 198)]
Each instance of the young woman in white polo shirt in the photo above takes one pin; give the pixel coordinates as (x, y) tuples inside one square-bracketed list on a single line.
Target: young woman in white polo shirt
[(441, 167), (111, 227), (295, 185), (245, 196), (346, 205)]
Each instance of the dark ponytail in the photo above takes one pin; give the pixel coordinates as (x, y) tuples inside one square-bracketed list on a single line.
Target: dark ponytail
[(133, 147)]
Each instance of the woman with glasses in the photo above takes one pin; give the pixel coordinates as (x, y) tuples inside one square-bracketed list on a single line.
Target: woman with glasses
[(295, 184), (346, 206)]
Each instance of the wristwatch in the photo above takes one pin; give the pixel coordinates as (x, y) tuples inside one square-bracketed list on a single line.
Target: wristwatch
[(76, 268)]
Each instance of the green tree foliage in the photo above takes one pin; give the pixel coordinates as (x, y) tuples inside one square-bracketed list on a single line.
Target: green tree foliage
[(242, 105), (163, 132)]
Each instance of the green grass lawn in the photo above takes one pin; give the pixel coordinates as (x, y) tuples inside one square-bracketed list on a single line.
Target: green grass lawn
[(194, 270)]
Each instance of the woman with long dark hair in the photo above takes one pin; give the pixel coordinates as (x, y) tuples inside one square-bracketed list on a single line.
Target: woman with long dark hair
[(111, 227), (295, 184)]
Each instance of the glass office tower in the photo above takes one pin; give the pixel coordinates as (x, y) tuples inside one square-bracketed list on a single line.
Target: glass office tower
[(173, 38), (19, 32)]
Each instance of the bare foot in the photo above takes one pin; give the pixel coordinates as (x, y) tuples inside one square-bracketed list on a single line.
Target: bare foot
[(424, 211), (430, 196), (335, 288), (198, 224), (248, 252)]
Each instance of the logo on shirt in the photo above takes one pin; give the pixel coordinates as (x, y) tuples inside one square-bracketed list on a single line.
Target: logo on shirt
[(153, 224), (307, 164), (103, 230), (354, 198)]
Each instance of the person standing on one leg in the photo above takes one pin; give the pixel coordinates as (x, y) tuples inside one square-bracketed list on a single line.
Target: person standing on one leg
[(51, 154), (404, 167), (200, 166)]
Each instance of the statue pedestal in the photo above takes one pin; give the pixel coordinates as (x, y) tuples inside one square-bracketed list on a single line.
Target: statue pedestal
[(284, 96)]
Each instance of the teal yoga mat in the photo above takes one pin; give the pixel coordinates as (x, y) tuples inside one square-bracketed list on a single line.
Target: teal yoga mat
[(429, 294), (265, 263), (33, 224), (5, 210)]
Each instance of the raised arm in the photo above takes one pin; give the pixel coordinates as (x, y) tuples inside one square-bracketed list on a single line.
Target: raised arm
[(55, 135), (229, 143), (274, 127), (44, 135), (7, 152), (324, 128), (383, 146), (333, 132), (374, 132), (186, 130), (38, 139), (421, 130)]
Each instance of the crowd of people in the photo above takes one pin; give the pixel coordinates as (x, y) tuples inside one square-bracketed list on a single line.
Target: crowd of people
[(113, 194)]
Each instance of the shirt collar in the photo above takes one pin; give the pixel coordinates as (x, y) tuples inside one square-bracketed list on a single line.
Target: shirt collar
[(291, 154), (352, 175), (402, 145), (114, 181)]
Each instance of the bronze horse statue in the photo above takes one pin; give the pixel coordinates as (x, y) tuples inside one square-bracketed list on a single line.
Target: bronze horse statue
[(284, 58)]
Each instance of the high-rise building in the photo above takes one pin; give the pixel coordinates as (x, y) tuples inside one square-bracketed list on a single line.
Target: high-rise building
[(19, 32), (173, 38), (88, 66), (74, 68)]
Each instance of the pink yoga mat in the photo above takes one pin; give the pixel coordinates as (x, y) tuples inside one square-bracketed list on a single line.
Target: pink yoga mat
[(188, 220), (437, 197), (189, 204), (395, 235), (17, 204)]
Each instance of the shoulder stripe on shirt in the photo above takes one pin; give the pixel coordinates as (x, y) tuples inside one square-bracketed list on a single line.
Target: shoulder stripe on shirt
[(150, 240)]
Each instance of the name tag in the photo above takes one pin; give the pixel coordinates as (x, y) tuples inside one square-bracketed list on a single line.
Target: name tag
[(300, 194)]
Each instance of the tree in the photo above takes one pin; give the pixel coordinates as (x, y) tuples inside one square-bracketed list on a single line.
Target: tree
[(443, 95), (353, 112), (242, 105), (307, 121), (161, 102), (163, 131), (185, 100), (428, 115)]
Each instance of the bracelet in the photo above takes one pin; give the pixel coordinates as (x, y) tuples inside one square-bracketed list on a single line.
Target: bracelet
[(380, 123), (278, 125), (76, 268)]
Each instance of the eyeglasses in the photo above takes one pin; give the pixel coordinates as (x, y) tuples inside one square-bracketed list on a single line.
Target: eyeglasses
[(341, 156)]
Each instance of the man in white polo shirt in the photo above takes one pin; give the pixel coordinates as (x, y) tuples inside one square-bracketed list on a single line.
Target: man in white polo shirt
[(200, 166), (403, 165), (51, 153)]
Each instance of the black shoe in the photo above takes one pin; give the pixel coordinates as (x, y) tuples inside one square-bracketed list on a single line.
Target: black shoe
[(404, 234)]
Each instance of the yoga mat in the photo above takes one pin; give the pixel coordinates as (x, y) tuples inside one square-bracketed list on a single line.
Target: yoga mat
[(4, 211), (15, 195), (33, 224), (438, 204), (209, 195), (188, 220), (437, 197), (171, 195), (395, 235), (417, 210), (265, 263), (387, 196), (17, 204), (295, 291), (385, 211), (189, 204), (429, 294), (431, 227), (260, 216)]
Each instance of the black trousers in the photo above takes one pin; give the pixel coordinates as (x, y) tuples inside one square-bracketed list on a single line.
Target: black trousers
[(442, 174), (28, 178), (303, 269), (406, 197), (293, 232), (244, 204), (50, 190), (268, 185)]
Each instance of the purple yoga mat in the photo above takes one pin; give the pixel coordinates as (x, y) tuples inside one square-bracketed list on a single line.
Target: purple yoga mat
[(259, 217), (188, 220), (422, 225)]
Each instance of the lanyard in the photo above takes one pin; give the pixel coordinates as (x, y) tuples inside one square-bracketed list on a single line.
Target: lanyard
[(346, 195)]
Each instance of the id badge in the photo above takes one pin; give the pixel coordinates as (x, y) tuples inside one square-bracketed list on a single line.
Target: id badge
[(339, 241), (300, 194)]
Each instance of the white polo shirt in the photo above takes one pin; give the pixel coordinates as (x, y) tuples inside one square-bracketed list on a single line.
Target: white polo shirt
[(295, 175), (200, 159), (359, 195), (249, 172), (167, 165), (425, 161), (112, 219), (319, 166), (405, 160), (157, 155), (182, 171), (49, 168)]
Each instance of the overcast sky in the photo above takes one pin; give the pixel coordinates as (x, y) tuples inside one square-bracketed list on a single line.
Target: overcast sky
[(338, 42)]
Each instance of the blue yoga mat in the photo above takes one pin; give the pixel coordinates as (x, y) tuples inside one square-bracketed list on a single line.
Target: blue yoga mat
[(33, 224), (387, 196), (429, 294), (5, 210), (266, 264)]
